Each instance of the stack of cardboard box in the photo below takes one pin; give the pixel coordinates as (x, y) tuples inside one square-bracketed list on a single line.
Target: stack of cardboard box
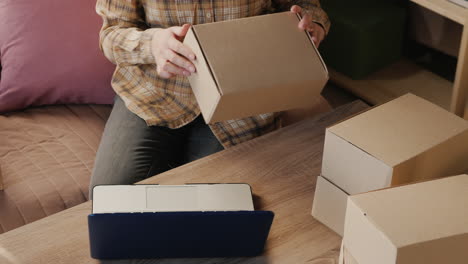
[(406, 140), (423, 223)]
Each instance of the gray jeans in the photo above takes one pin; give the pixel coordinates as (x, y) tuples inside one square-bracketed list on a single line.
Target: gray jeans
[(131, 151)]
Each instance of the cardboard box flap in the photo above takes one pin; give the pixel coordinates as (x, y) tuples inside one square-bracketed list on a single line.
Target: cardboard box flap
[(410, 125), (208, 95), (258, 59), (315, 48), (418, 213)]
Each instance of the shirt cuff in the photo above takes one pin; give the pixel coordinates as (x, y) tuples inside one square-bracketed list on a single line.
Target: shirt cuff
[(146, 52)]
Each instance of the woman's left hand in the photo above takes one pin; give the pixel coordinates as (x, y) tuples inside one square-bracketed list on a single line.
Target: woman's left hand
[(316, 31)]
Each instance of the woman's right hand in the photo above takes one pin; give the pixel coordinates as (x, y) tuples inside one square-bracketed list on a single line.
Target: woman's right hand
[(171, 55)]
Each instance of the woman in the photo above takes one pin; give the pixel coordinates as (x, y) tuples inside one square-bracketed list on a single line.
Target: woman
[(155, 124)]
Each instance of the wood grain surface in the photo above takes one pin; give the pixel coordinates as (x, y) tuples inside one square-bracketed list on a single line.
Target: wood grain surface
[(446, 9), (281, 167), (396, 80)]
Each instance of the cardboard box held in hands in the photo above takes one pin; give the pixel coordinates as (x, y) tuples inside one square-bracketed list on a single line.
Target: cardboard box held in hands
[(254, 65), (422, 223)]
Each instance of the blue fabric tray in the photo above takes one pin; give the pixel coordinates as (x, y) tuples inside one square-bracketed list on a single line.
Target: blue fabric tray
[(178, 234)]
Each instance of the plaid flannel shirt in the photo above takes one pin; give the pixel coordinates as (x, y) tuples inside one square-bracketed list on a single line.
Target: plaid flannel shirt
[(125, 38)]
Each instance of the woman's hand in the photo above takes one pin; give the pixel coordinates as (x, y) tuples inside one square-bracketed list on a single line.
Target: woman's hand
[(316, 31), (171, 55)]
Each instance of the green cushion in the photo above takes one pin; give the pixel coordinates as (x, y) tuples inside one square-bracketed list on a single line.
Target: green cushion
[(365, 36)]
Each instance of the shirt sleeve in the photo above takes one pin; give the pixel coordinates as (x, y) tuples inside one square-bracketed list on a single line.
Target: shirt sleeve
[(125, 38), (311, 7)]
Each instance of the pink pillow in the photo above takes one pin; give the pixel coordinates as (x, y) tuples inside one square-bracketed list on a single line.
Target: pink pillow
[(49, 54)]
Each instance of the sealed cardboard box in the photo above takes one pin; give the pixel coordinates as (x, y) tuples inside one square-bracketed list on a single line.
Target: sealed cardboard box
[(253, 66), (329, 205), (405, 140), (423, 223)]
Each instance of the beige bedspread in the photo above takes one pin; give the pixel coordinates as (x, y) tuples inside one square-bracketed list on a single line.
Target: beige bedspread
[(46, 158)]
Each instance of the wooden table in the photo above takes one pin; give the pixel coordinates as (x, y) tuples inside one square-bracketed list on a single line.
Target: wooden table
[(281, 168), (404, 76)]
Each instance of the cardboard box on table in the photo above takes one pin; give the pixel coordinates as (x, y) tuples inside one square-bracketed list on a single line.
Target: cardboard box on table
[(405, 140), (253, 66), (423, 223), (329, 205), (346, 257)]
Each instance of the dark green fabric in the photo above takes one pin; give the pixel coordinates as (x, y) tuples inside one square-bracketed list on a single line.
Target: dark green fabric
[(365, 35)]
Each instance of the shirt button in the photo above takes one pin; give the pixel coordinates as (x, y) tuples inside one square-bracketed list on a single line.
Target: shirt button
[(208, 15)]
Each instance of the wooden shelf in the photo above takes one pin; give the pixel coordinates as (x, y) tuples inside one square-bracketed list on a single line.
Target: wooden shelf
[(446, 8), (406, 77), (396, 80)]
